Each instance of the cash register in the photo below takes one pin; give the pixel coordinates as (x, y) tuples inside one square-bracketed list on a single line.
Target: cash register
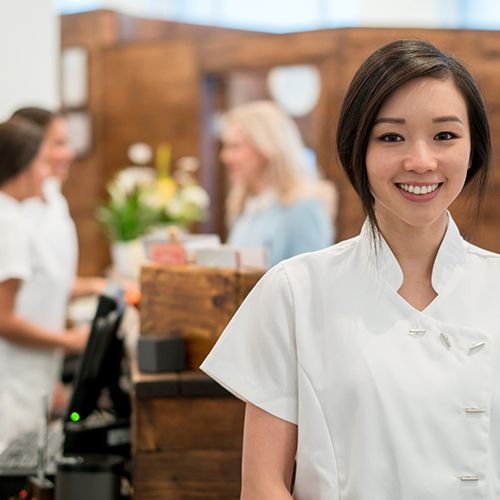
[(98, 416)]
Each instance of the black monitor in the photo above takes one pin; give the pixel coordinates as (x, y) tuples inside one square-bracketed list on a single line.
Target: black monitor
[(100, 366)]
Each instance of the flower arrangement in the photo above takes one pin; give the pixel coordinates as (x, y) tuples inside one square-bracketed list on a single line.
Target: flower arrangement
[(141, 198)]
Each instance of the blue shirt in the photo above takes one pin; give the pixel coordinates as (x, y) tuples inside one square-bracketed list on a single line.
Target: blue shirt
[(284, 231)]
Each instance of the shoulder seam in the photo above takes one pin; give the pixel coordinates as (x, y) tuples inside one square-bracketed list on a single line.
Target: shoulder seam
[(281, 267)]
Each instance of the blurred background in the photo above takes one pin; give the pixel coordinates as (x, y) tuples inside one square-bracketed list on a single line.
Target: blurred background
[(161, 72)]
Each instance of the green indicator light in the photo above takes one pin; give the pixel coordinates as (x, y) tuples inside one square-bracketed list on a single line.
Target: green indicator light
[(74, 416)]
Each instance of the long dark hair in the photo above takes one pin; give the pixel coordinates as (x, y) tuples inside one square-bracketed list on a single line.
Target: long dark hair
[(387, 69), (20, 142), (39, 116)]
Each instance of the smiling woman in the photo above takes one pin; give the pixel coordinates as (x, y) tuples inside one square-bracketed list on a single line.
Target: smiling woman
[(385, 345), (418, 154)]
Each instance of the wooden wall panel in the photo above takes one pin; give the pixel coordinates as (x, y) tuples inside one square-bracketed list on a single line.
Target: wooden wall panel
[(92, 30), (151, 94), (266, 51)]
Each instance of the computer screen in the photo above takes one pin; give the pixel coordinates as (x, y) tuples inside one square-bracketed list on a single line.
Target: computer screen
[(100, 367)]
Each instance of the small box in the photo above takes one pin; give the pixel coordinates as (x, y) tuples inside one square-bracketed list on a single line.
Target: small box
[(161, 354)]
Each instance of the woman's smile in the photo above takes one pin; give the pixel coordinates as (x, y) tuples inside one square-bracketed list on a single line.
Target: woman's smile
[(419, 192)]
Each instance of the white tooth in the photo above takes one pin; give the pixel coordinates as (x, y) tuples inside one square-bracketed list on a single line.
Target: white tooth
[(410, 189), (405, 187), (416, 189), (425, 189)]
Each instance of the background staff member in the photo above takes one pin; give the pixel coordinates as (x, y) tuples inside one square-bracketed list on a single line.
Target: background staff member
[(375, 362), (52, 217), (275, 201), (31, 292), (51, 214)]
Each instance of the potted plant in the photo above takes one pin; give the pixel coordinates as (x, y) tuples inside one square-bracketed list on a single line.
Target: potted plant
[(142, 199)]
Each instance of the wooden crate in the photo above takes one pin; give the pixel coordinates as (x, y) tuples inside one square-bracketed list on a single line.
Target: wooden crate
[(191, 301)]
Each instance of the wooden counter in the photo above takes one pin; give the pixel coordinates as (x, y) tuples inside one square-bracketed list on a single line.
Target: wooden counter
[(186, 437), (193, 302), (187, 430)]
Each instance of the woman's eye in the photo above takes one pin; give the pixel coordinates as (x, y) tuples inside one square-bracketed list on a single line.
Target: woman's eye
[(390, 138), (445, 136)]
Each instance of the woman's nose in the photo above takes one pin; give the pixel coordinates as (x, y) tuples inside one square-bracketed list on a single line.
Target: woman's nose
[(421, 158)]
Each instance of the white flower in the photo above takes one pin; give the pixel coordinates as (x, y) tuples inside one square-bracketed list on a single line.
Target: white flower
[(151, 199), (175, 208), (195, 195), (129, 179)]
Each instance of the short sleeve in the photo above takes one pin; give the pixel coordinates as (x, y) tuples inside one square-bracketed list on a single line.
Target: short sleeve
[(15, 262), (255, 358)]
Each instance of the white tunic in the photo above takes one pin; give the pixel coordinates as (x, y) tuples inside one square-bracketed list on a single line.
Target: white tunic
[(55, 225), (25, 373), (391, 403)]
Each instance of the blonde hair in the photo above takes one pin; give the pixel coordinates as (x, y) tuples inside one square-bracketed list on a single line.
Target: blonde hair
[(276, 137)]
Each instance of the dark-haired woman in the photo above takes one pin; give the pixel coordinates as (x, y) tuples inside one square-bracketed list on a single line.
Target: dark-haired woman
[(375, 364), (51, 214), (30, 289)]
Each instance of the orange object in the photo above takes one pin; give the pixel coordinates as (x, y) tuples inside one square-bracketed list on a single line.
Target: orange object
[(133, 296)]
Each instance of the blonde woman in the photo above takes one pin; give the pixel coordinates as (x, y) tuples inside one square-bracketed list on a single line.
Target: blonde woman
[(275, 200)]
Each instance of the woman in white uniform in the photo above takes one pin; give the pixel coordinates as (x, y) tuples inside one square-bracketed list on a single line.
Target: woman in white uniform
[(31, 336), (275, 201), (375, 363), (51, 214), (53, 220)]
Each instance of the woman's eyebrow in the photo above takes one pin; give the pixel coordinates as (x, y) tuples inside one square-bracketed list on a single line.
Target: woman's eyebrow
[(438, 119), (450, 118), (388, 119)]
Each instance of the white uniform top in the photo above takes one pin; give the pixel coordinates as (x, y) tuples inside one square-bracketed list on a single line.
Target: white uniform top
[(54, 223), (391, 403), (25, 373)]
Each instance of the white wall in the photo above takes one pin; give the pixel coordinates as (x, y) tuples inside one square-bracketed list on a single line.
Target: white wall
[(29, 54), (398, 13)]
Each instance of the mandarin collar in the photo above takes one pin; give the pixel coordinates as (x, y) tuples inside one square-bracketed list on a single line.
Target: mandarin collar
[(9, 201), (451, 253), (51, 185)]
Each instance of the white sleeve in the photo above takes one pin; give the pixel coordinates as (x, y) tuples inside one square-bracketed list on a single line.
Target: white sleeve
[(255, 358), (15, 261)]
